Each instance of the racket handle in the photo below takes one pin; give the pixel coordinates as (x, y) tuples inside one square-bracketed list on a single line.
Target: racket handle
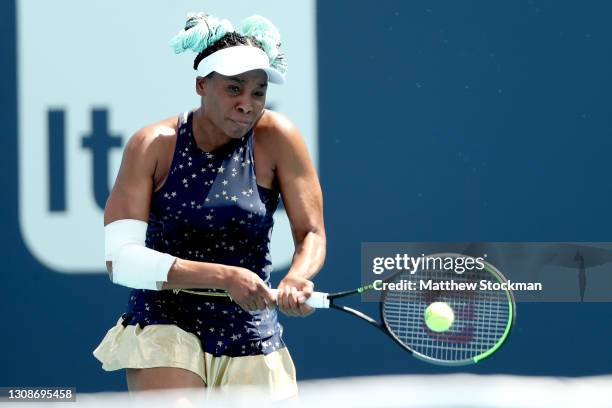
[(318, 300)]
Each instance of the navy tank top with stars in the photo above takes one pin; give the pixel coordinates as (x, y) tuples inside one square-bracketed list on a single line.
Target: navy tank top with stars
[(211, 209)]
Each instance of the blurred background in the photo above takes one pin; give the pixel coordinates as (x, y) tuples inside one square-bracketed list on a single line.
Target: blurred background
[(427, 120)]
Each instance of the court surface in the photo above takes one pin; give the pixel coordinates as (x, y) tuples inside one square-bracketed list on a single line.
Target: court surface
[(443, 391)]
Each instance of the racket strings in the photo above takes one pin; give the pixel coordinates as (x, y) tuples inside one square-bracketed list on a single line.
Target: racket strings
[(481, 316)]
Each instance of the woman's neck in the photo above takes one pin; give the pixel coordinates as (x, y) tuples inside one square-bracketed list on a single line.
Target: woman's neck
[(208, 137)]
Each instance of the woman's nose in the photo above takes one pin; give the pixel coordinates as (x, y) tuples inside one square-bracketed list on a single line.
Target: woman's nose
[(244, 106)]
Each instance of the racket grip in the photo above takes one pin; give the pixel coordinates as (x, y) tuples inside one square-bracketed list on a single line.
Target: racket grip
[(318, 300)]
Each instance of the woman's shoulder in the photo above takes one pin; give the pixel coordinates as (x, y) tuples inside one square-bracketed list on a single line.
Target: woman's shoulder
[(162, 129), (155, 135), (274, 127), (279, 139)]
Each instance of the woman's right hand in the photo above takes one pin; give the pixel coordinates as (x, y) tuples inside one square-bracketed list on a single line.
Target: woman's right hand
[(247, 289)]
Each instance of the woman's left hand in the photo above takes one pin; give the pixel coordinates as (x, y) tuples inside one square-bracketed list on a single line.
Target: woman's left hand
[(292, 295)]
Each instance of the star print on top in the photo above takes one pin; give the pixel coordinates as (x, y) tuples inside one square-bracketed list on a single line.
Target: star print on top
[(211, 209)]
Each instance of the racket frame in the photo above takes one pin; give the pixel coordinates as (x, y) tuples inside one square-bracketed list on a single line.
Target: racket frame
[(383, 325)]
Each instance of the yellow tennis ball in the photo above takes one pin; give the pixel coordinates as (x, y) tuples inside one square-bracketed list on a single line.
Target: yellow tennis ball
[(439, 316)]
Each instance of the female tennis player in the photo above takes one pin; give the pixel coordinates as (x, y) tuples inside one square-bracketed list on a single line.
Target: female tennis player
[(188, 225)]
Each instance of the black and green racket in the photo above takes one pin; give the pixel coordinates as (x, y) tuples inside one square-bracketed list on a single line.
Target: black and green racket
[(482, 318)]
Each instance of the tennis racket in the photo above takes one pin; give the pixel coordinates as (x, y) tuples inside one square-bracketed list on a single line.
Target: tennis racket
[(483, 317)]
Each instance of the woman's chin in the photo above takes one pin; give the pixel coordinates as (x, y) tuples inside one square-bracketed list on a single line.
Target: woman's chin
[(237, 131)]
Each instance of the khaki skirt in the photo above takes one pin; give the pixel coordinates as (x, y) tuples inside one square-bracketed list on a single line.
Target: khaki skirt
[(164, 345)]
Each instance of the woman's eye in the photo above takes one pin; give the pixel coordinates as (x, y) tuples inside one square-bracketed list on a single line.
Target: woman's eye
[(233, 89)]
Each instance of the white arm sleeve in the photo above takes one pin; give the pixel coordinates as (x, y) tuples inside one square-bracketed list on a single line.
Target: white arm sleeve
[(135, 265)]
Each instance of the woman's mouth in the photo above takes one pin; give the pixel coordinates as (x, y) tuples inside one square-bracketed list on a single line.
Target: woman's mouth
[(240, 123)]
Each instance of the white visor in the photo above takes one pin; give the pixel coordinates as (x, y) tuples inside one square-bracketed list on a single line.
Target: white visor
[(236, 60)]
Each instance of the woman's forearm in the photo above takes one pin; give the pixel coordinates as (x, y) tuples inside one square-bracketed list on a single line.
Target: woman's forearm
[(309, 256), (186, 274)]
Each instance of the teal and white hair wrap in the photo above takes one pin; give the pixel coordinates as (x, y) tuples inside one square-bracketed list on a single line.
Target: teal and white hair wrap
[(268, 36), (202, 30)]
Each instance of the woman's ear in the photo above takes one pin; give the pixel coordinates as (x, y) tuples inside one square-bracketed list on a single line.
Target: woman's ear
[(200, 85)]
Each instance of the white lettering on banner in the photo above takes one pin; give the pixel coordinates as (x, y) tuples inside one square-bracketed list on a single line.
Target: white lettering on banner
[(91, 74)]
